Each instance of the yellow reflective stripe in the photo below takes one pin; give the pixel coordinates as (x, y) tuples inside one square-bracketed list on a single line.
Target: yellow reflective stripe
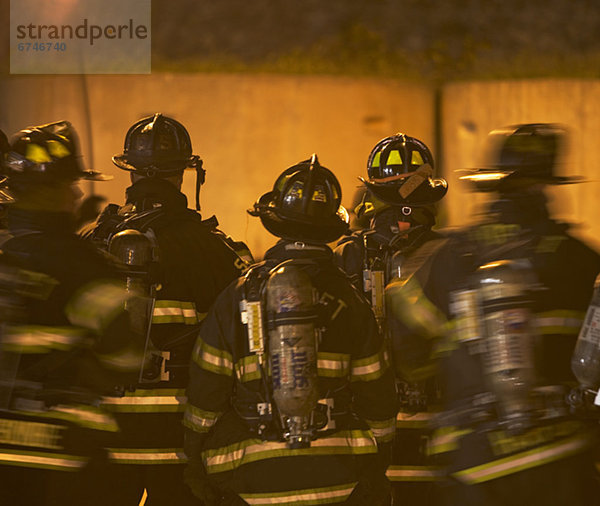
[(42, 338), (58, 462), (369, 368), (424, 313), (127, 359), (87, 416), (32, 434), (421, 420), (410, 304), (305, 497), (550, 243), (420, 373), (383, 435), (212, 359), (91, 417), (414, 473), (97, 304), (383, 430), (333, 365), (247, 368), (352, 442), (147, 456), (176, 311), (559, 322), (525, 460), (446, 440), (198, 419), (148, 401), (448, 342)]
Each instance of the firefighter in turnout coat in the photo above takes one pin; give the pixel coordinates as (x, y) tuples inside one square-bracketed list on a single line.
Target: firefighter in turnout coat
[(291, 398), (504, 300), (66, 337), (400, 202), (190, 262)]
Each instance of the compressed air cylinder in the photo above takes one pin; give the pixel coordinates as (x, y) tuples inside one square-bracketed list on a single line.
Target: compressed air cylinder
[(292, 347), (134, 250), (585, 362), (508, 322)]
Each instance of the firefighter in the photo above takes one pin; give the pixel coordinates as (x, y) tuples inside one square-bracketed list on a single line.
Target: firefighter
[(188, 262), (66, 337), (504, 300), (290, 396), (400, 199)]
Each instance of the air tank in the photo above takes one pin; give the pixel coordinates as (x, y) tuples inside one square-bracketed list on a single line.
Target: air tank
[(292, 343), (508, 365), (585, 362)]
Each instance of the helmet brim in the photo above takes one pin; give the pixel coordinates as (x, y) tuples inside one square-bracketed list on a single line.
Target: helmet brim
[(142, 166), (295, 230), (287, 227), (121, 162), (490, 178), (92, 175), (425, 194)]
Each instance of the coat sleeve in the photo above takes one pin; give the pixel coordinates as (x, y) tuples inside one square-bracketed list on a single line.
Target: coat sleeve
[(211, 385), (99, 308), (372, 380)]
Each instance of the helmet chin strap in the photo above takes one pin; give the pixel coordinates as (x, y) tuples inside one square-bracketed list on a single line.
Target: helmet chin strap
[(196, 162), (197, 190)]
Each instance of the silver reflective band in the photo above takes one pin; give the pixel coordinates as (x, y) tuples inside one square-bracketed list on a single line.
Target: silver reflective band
[(148, 401), (147, 456), (414, 473), (324, 495), (33, 459)]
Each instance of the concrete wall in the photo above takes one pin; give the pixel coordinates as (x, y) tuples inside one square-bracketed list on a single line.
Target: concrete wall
[(247, 128), (471, 110)]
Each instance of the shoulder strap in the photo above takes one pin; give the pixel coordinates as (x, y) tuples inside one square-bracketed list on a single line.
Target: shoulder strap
[(141, 221), (418, 259)]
